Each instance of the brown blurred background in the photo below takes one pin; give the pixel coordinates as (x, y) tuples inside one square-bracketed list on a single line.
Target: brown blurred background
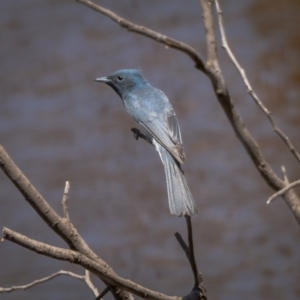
[(58, 125)]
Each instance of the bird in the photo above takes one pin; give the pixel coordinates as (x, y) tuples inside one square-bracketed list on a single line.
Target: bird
[(152, 110)]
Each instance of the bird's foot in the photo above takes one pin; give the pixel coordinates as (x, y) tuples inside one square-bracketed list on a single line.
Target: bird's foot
[(138, 134)]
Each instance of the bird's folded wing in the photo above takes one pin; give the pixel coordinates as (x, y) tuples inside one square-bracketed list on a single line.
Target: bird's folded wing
[(167, 133)]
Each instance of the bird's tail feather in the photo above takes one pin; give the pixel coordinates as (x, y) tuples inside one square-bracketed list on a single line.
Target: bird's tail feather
[(181, 201)]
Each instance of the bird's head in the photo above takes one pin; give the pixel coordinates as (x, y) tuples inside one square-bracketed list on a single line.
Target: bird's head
[(123, 81)]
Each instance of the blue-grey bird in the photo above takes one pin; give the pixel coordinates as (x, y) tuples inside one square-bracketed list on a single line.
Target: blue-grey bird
[(151, 108)]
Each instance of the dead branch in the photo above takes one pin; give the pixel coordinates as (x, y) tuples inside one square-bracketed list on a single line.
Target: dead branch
[(75, 257), (250, 90), (61, 226), (80, 253), (235, 119), (167, 41)]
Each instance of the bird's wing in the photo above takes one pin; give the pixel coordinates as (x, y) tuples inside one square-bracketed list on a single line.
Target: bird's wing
[(157, 117), (165, 129), (173, 128), (167, 133)]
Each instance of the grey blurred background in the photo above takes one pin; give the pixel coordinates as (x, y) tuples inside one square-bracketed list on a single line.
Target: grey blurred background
[(58, 125)]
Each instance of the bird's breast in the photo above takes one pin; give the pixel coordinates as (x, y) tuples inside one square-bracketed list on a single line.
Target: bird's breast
[(141, 109)]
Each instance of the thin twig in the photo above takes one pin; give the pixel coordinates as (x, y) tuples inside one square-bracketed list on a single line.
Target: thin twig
[(65, 199), (250, 90), (168, 41), (182, 243), (105, 291), (191, 256), (42, 280), (198, 290), (88, 281), (283, 191)]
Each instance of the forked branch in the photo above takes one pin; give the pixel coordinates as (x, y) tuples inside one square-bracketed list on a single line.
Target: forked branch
[(199, 289), (80, 253), (250, 90), (235, 119), (91, 265), (61, 226)]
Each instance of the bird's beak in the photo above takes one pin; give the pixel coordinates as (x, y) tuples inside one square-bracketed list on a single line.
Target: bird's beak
[(103, 79)]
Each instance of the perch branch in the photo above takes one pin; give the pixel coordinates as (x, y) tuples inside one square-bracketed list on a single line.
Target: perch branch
[(250, 90), (163, 39), (75, 257), (283, 191)]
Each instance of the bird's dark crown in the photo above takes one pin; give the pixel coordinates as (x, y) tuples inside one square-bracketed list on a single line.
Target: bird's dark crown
[(123, 81)]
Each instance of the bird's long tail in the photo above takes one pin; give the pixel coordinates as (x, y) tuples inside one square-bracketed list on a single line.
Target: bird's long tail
[(181, 201)]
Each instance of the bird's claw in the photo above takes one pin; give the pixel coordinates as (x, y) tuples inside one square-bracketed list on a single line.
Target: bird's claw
[(136, 133)]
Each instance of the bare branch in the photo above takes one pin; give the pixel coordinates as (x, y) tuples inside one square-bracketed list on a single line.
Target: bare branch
[(191, 255), (163, 39), (198, 290), (63, 227), (211, 45), (251, 146), (283, 191), (105, 291), (42, 280), (99, 270), (197, 275), (65, 199), (88, 281), (229, 52)]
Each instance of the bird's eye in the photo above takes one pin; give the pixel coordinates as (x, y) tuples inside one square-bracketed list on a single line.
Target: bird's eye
[(120, 78)]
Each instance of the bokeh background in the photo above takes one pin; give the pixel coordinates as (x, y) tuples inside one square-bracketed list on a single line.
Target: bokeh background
[(57, 125)]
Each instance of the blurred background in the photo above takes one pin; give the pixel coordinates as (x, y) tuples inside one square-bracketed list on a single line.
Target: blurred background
[(57, 125)]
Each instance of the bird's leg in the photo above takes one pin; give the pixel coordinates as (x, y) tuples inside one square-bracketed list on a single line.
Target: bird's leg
[(138, 134)]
